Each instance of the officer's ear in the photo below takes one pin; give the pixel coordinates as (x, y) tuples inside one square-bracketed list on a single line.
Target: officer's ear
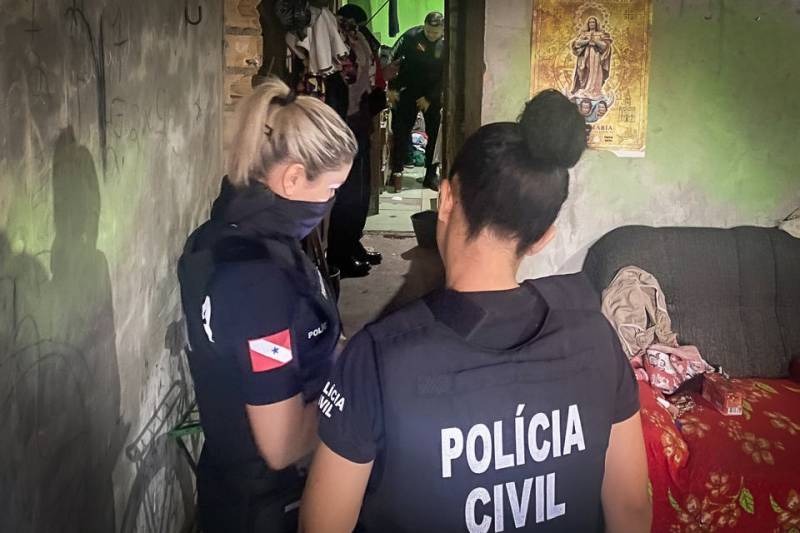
[(446, 201), (543, 241), (293, 179)]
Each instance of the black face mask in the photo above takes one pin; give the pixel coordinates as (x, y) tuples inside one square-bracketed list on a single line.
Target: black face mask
[(257, 210), (301, 217)]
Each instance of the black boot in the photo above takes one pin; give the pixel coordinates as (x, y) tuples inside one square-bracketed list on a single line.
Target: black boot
[(368, 256), (431, 180), (351, 267)]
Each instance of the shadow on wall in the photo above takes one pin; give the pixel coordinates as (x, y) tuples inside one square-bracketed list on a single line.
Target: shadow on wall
[(59, 379), (162, 496)]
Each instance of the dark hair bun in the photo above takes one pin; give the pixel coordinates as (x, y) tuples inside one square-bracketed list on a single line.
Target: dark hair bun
[(553, 129)]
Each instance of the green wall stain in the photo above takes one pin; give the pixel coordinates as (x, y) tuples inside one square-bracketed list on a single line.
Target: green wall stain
[(30, 227), (88, 292), (721, 114), (723, 107)]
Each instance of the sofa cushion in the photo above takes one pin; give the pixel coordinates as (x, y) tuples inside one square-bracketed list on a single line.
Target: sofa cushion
[(738, 472), (734, 293)]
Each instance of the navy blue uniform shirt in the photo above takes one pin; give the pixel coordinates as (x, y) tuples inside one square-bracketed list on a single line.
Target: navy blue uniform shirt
[(422, 67), (280, 344), (262, 323)]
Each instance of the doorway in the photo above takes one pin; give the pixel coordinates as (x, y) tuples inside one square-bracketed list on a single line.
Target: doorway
[(391, 211)]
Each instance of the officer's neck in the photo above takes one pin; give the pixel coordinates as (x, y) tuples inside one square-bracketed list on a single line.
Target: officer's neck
[(485, 263)]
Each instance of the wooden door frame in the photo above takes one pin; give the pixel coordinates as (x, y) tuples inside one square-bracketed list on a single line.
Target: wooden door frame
[(463, 95)]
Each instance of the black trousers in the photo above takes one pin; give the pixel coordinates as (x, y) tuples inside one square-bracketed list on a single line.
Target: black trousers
[(248, 501), (349, 213), (403, 120)]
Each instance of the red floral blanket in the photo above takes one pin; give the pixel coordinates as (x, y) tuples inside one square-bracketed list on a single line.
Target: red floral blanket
[(710, 472)]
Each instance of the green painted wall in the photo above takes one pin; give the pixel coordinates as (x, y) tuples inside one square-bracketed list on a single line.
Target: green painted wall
[(410, 13), (722, 146), (110, 152)]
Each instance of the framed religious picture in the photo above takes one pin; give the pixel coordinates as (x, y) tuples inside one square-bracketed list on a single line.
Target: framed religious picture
[(597, 53)]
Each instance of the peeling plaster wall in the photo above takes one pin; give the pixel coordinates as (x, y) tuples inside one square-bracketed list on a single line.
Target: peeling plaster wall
[(722, 146), (110, 154)]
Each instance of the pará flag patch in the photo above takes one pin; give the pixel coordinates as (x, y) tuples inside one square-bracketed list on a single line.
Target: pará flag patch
[(270, 352)]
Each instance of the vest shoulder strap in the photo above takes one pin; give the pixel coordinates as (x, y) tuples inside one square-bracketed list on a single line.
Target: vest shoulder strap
[(196, 264), (234, 248), (400, 322), (212, 244), (231, 246)]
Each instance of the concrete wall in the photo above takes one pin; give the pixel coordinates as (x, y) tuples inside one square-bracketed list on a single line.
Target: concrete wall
[(109, 154), (722, 145), (507, 56)]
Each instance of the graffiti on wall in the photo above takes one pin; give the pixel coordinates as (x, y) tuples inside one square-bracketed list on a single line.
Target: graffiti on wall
[(108, 104)]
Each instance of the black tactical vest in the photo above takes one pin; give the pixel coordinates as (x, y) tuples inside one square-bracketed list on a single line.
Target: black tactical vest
[(484, 440), (237, 492), (210, 244)]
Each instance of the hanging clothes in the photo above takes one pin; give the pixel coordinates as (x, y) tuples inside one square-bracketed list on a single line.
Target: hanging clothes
[(364, 73), (294, 16), (394, 20), (322, 46)]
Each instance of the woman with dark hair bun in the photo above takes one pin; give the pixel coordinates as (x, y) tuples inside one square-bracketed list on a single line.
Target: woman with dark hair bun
[(490, 405)]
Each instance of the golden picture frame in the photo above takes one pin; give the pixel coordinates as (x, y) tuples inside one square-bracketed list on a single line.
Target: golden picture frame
[(597, 53)]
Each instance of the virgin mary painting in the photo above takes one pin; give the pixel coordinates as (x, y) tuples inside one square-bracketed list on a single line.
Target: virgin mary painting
[(592, 47)]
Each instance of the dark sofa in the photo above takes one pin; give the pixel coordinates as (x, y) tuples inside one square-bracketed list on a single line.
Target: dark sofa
[(735, 294)]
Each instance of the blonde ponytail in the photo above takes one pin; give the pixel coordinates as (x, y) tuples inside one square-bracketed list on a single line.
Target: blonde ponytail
[(274, 127)]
